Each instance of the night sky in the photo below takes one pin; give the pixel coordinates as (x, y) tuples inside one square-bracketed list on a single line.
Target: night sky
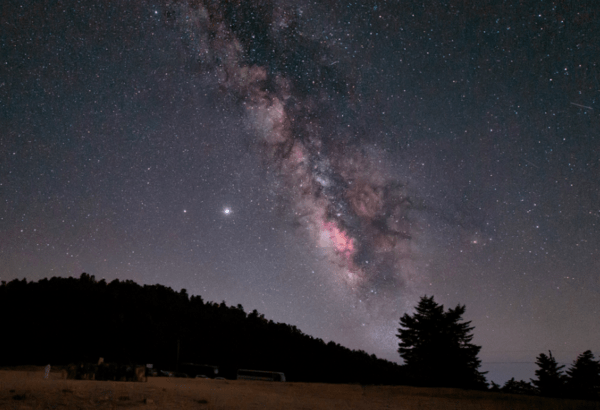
[(324, 162)]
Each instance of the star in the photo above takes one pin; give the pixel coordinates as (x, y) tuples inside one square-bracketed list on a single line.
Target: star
[(227, 210)]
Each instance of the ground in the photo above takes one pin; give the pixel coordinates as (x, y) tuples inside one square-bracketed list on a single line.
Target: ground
[(26, 388)]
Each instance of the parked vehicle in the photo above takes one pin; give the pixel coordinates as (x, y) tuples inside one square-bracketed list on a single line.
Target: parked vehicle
[(243, 374), (195, 370)]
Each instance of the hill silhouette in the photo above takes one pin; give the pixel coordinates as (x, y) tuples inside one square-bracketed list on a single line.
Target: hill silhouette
[(68, 320)]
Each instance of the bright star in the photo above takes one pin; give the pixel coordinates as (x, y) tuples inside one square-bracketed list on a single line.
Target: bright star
[(226, 211)]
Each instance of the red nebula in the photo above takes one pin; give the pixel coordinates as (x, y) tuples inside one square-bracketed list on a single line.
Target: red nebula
[(342, 243)]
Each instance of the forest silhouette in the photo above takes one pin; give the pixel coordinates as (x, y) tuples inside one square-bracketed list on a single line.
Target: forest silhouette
[(64, 321), (70, 320)]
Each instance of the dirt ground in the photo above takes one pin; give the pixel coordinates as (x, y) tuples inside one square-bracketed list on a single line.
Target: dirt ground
[(26, 388)]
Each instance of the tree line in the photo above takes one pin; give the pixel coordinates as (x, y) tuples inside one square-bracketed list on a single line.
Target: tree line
[(437, 350), (580, 381), (69, 320)]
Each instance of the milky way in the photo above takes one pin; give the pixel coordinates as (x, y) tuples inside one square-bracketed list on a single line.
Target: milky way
[(295, 92)]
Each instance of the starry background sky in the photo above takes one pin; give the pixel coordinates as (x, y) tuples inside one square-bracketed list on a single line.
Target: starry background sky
[(326, 163)]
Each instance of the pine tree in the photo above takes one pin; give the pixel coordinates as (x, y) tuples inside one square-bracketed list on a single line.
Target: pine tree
[(550, 378), (437, 349), (513, 386), (583, 378)]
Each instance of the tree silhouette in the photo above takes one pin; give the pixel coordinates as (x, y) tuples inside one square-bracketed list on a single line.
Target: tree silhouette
[(70, 320), (550, 379), (518, 387), (494, 387), (437, 349), (583, 378)]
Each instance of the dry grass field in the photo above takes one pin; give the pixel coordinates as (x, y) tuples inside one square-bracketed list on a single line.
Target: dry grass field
[(26, 388)]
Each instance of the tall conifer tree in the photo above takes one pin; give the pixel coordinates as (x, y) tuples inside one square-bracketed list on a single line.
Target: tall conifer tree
[(550, 378), (583, 378), (436, 347)]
